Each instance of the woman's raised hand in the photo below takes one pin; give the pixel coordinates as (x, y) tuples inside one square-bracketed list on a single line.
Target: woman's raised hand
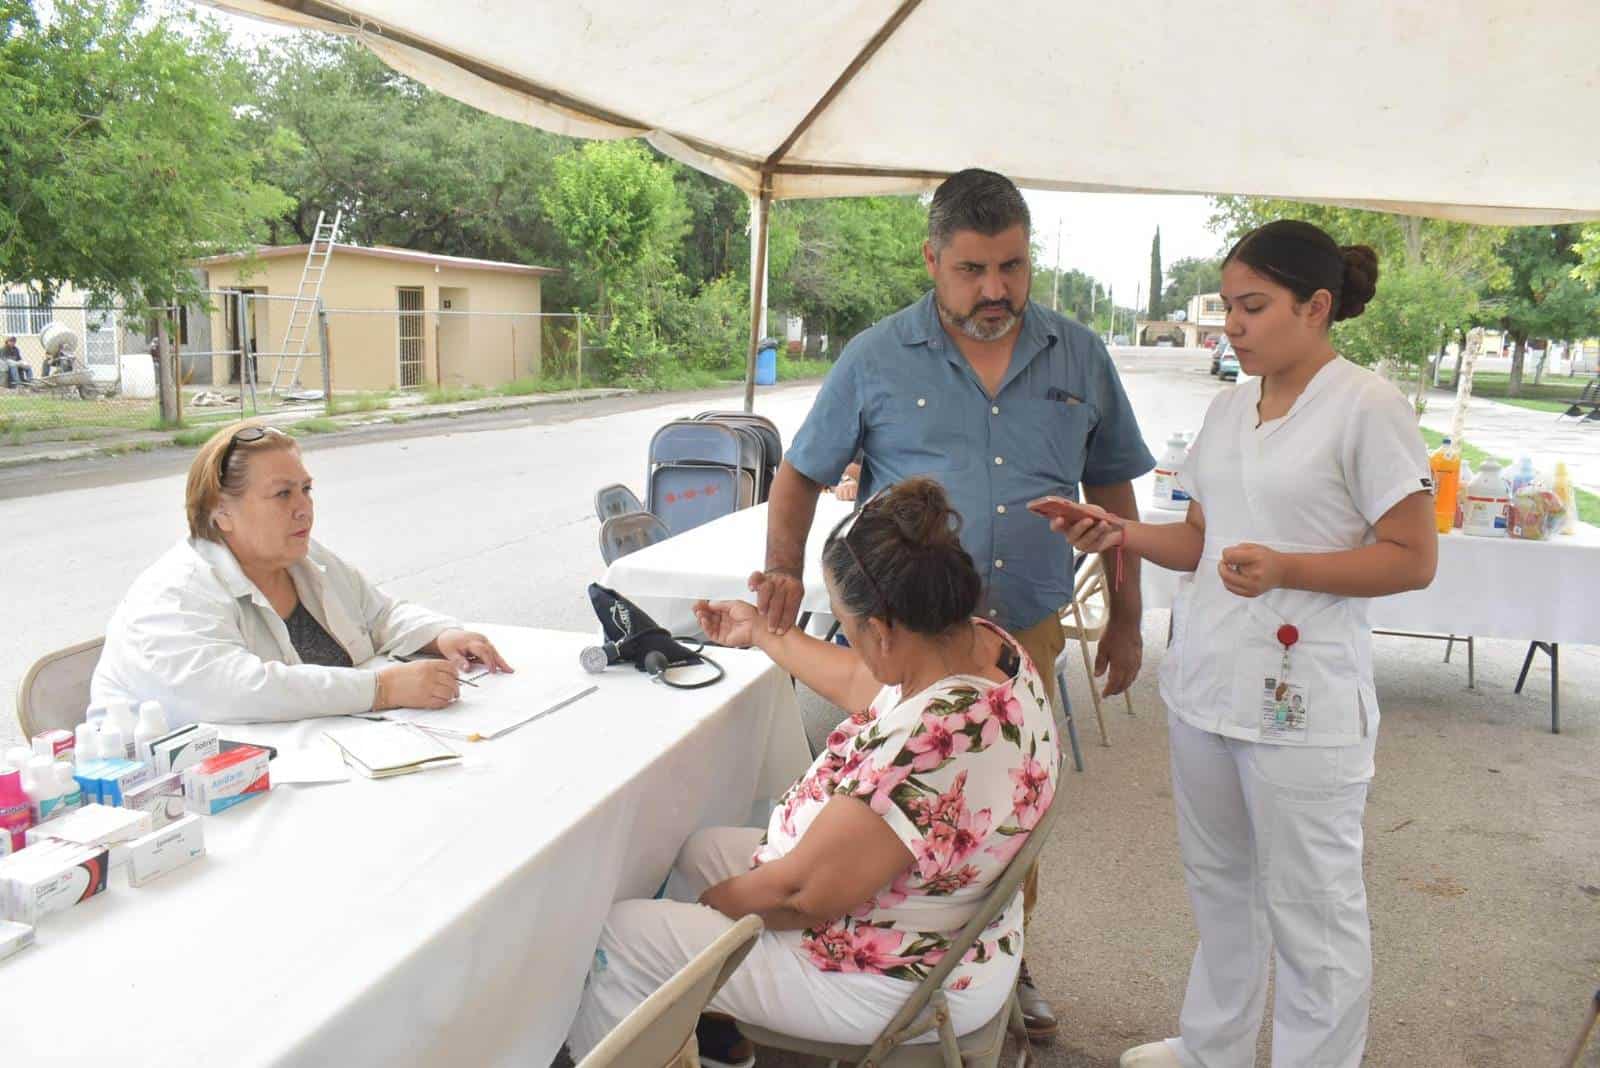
[(730, 623)]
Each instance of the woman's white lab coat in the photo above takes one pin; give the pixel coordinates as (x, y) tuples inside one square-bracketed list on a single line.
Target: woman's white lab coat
[(197, 635)]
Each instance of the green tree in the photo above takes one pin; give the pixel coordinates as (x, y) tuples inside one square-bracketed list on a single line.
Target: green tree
[(1079, 296), (846, 263), (121, 160), (1543, 297), (1415, 307), (1155, 275), (408, 166), (618, 210), (1191, 276)]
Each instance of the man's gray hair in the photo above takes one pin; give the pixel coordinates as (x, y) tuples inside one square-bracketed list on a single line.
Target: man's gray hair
[(978, 200)]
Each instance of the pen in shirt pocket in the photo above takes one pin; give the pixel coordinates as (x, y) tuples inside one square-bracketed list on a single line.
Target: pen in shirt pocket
[(1055, 393)]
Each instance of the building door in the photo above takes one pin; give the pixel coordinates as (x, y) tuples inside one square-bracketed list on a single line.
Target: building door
[(235, 349), (413, 341)]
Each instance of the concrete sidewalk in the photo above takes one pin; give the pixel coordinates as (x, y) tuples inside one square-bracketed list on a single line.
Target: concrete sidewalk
[(51, 448), (1509, 431)]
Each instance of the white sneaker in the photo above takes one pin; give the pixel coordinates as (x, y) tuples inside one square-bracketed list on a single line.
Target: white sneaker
[(1151, 1055)]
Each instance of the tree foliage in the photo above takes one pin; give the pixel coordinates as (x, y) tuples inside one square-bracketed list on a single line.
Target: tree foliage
[(121, 160), (1156, 308), (1191, 276), (1542, 297)]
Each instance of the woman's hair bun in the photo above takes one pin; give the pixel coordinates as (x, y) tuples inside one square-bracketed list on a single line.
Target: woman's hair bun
[(922, 515), (1360, 281)]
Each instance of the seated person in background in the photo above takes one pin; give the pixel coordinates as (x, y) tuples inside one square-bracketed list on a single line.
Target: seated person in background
[(248, 619), (889, 843), (17, 369)]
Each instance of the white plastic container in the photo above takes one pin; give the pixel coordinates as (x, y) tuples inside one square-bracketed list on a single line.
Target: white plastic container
[(1488, 502), (39, 782), (120, 715), (152, 725), (1169, 493)]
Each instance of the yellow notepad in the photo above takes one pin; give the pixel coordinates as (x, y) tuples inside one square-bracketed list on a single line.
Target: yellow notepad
[(380, 750)]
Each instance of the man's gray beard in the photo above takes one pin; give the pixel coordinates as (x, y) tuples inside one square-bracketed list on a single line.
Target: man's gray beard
[(970, 326)]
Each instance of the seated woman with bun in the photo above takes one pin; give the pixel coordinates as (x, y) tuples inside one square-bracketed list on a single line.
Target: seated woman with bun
[(249, 620), (893, 838)]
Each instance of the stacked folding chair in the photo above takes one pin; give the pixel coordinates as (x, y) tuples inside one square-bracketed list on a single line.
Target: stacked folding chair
[(771, 443), (700, 471)]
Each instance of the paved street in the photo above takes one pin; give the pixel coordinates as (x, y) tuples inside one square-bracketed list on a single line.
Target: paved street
[(1482, 867)]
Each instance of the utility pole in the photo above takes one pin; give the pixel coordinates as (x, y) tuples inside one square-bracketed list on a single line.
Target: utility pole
[(1055, 282)]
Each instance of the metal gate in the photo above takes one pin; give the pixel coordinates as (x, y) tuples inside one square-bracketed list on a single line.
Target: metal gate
[(412, 339)]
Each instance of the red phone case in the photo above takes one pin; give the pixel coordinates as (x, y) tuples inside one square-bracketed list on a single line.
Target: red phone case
[(1061, 508)]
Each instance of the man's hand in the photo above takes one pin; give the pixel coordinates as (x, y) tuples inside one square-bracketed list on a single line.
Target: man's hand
[(1119, 655), (778, 594), (1249, 570)]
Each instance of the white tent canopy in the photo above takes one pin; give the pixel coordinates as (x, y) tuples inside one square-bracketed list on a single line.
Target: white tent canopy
[(1476, 110)]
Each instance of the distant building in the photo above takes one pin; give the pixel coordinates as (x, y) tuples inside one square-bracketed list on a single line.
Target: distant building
[(1202, 319), (425, 339)]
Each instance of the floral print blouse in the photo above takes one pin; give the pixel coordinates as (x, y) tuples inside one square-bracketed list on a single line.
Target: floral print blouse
[(961, 772)]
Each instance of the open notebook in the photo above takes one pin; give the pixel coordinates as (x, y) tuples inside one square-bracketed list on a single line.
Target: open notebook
[(379, 750)]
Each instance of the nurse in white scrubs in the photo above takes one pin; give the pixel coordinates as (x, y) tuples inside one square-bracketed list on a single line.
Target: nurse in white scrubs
[(1310, 494)]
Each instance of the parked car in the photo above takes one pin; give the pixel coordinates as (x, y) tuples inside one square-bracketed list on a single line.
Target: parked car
[(1224, 348), (1228, 367)]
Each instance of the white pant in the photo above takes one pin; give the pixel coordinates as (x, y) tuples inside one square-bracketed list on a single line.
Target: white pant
[(644, 943), (1271, 843)]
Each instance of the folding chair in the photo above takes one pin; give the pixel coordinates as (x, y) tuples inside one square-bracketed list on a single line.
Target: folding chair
[(771, 443), (927, 1009), (660, 1031), (700, 471), (624, 534), (55, 691), (614, 500), (1085, 619)]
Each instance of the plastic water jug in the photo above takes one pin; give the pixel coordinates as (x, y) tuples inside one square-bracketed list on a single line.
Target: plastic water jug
[(1169, 494), (1488, 500)]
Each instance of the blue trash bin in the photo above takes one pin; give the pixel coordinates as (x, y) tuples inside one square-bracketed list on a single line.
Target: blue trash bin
[(767, 362)]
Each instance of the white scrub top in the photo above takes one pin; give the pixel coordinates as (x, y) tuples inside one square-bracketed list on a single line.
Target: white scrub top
[(1314, 481), (196, 634)]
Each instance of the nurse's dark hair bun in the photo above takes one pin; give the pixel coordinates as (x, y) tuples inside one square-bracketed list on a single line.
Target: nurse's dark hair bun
[(1360, 281)]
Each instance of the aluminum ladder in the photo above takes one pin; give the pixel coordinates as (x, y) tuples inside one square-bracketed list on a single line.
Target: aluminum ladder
[(302, 313)]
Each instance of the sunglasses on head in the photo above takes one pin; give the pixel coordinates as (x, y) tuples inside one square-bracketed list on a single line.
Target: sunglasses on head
[(247, 435), (841, 533)]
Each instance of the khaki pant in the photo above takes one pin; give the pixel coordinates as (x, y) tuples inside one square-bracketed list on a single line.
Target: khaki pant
[(1044, 642)]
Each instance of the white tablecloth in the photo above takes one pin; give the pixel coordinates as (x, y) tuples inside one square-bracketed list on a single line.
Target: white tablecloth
[(444, 917), (715, 562), (1485, 587)]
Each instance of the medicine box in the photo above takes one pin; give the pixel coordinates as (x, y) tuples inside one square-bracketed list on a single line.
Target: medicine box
[(166, 849), (218, 783)]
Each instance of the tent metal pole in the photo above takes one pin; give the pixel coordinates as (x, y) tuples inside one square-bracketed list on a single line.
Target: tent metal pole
[(761, 208)]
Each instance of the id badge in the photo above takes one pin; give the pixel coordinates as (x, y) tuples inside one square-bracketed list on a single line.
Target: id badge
[(1284, 711)]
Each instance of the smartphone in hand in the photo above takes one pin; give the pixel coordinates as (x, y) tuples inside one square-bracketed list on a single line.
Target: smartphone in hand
[(1071, 511)]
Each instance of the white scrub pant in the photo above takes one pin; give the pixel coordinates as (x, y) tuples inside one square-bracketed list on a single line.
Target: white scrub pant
[(1271, 842), (644, 943)]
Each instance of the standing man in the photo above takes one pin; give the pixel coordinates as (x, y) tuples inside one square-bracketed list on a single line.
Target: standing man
[(1001, 401)]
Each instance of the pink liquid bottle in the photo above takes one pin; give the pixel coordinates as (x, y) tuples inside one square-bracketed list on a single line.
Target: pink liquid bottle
[(16, 816)]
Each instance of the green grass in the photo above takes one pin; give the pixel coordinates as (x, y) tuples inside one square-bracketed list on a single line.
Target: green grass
[(789, 370), (125, 447), (1495, 384), (1531, 404), (312, 426), (1588, 503), (453, 394), (674, 378), (523, 387), (24, 412), (360, 402), (195, 435)]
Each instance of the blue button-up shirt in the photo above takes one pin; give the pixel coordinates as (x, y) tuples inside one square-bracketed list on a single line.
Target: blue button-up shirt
[(904, 396)]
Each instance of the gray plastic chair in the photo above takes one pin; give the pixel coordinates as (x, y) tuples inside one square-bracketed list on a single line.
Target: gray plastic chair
[(927, 1008), (55, 691), (661, 1030), (624, 534), (614, 500)]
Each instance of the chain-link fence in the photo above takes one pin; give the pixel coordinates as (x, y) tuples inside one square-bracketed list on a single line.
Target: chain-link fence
[(82, 371)]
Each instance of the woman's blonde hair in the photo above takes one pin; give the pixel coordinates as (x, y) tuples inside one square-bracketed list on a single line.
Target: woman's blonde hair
[(209, 481)]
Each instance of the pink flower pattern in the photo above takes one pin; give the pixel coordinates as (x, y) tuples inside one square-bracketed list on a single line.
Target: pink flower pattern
[(961, 773)]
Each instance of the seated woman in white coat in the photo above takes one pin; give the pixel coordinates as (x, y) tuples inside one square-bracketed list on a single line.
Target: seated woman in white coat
[(1310, 493), (250, 620), (891, 840)]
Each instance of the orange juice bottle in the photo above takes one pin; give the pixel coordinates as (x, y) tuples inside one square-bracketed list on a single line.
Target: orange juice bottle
[(1444, 464)]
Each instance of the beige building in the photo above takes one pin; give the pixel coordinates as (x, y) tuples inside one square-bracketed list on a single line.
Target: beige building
[(397, 319)]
